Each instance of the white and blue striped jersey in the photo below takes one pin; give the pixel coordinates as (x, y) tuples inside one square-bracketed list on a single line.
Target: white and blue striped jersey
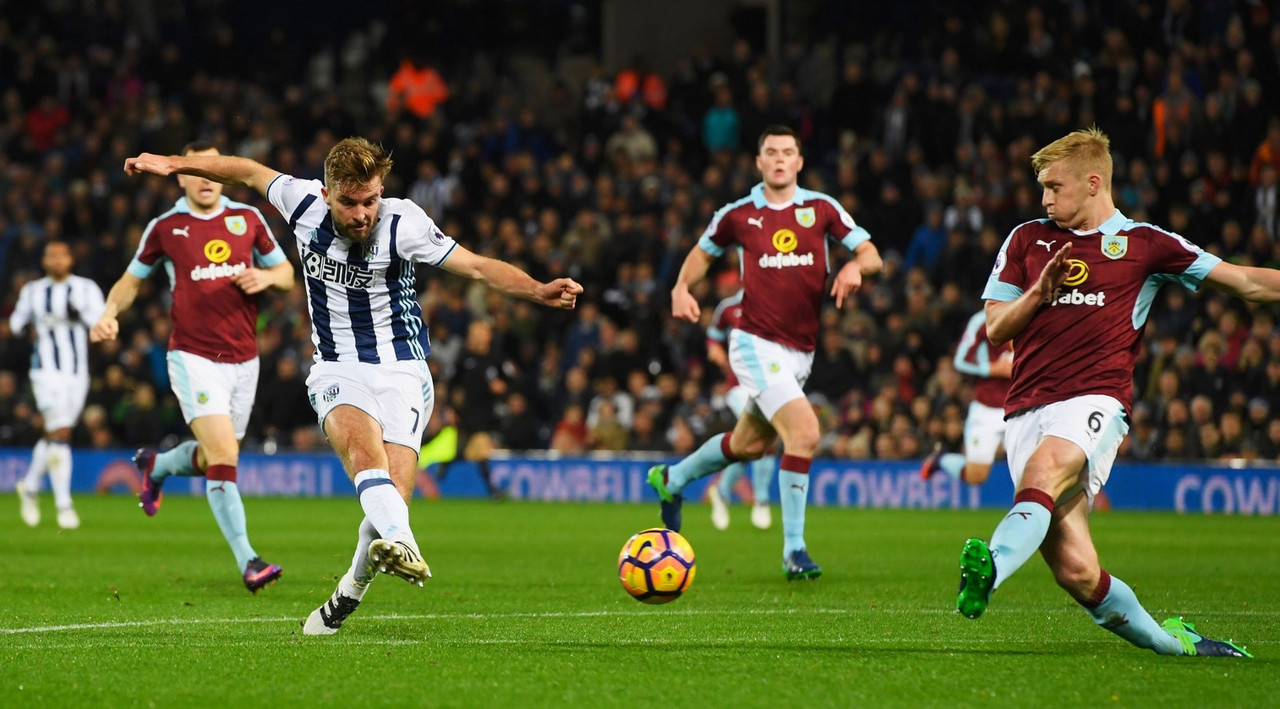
[(362, 298), (62, 313)]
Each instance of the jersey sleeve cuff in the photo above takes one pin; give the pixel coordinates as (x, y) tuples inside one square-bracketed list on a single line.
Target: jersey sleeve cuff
[(855, 237), (446, 256), (999, 290), (1199, 270), (706, 244), (139, 269), (274, 257)]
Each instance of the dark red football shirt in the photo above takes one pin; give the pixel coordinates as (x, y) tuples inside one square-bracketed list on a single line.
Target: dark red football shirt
[(1086, 340), (211, 316), (785, 260)]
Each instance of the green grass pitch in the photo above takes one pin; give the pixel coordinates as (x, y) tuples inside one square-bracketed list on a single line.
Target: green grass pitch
[(525, 609)]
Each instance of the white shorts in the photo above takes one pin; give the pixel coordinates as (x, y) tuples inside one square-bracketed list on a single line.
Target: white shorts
[(1095, 423), (60, 397), (772, 374), (737, 399), (208, 388), (983, 433), (398, 395)]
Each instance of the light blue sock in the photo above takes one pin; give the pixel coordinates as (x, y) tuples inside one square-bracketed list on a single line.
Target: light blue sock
[(698, 464), (1018, 536), (228, 509), (762, 477), (1121, 613), (729, 477), (952, 464), (794, 491), (176, 461)]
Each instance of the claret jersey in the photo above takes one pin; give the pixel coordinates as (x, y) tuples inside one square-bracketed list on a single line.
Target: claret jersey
[(211, 316), (1086, 339), (785, 260)]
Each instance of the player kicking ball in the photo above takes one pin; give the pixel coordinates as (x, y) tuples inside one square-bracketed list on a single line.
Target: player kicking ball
[(1074, 290), (369, 386), (784, 233), (220, 255)]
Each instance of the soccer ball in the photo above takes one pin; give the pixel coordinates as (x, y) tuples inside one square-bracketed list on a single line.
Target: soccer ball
[(656, 566)]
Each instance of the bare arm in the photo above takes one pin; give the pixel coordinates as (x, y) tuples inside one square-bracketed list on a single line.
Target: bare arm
[(118, 300), (256, 280), (1005, 319), (227, 169), (1002, 368), (694, 269), (501, 276), (1256, 285), (866, 262), (717, 355)]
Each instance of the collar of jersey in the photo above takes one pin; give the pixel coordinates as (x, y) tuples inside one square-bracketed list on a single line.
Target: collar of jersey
[(1111, 226), (182, 205), (757, 196)]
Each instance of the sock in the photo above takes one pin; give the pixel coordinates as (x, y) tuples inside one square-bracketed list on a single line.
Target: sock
[(362, 571), (224, 499), (1115, 607), (350, 587), (793, 482), (382, 504), (59, 464), (952, 464), (39, 463), (710, 457), (179, 460), (761, 476), (729, 477), (1021, 532)]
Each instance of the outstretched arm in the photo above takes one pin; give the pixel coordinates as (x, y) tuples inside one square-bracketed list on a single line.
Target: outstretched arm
[(227, 169), (1005, 319), (561, 293), (118, 300), (1256, 285), (694, 269)]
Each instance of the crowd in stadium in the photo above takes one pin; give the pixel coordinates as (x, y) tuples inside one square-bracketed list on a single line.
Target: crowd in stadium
[(610, 174)]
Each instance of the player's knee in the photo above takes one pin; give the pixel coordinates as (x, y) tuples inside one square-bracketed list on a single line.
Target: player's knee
[(1076, 577), (802, 442)]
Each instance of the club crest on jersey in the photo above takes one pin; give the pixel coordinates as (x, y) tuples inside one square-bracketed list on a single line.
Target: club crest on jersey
[(1114, 247), (236, 225), (805, 217), (202, 397)]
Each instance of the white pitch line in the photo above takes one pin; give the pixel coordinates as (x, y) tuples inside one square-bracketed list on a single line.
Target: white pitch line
[(421, 616), (109, 625)]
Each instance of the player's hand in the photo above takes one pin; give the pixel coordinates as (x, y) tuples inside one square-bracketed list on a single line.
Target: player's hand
[(148, 163), (252, 281), (106, 328), (561, 293), (1054, 273), (683, 305), (848, 281)]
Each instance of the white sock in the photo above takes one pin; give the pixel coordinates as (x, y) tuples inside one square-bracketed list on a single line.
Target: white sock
[(59, 463), (383, 506), (362, 571), (39, 461), (348, 586)]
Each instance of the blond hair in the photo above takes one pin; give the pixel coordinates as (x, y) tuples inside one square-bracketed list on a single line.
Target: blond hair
[(1087, 151), (355, 161)]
